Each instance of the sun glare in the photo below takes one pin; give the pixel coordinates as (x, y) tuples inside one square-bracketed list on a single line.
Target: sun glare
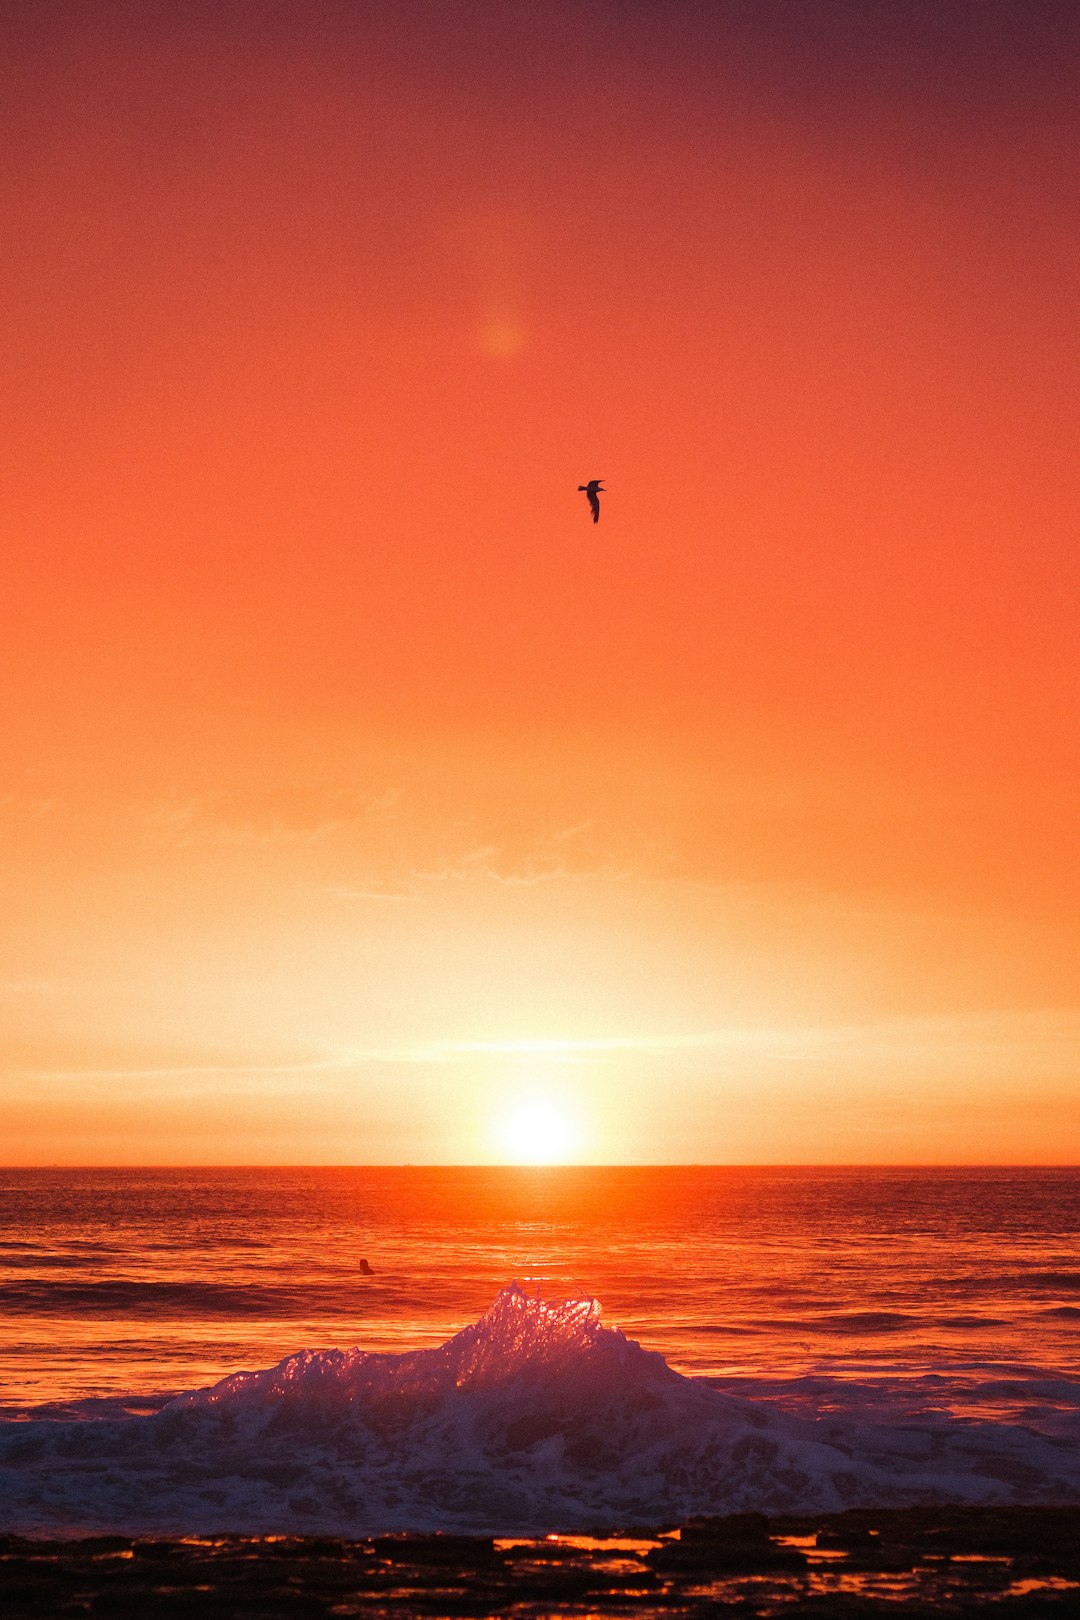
[(539, 1130)]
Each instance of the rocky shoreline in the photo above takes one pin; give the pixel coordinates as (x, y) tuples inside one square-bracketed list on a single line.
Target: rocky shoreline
[(954, 1561)]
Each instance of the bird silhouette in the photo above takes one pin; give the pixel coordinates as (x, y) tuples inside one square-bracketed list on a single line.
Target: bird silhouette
[(593, 491)]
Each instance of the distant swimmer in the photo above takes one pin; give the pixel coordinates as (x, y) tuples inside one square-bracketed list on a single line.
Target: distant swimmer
[(593, 491), (365, 1269)]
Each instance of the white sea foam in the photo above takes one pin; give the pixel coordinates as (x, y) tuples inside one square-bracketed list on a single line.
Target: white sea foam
[(535, 1418)]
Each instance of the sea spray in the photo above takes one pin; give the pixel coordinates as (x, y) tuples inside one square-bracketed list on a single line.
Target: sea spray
[(535, 1418)]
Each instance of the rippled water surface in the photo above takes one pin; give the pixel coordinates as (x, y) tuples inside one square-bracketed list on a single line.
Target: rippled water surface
[(926, 1290)]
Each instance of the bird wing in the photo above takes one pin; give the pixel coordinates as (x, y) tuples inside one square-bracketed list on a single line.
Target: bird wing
[(594, 502)]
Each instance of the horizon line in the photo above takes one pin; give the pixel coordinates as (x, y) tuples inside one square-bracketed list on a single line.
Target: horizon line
[(621, 1164)]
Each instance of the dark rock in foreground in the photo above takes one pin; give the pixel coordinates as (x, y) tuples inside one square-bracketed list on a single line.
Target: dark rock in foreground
[(1016, 1563)]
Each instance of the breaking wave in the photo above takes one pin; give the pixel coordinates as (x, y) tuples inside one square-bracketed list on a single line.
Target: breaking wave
[(535, 1418)]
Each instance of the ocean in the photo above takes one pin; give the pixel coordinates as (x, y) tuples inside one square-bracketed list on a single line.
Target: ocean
[(813, 1336)]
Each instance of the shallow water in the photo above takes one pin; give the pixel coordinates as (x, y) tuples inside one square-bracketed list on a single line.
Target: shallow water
[(534, 1418), (813, 1340), (838, 1289)]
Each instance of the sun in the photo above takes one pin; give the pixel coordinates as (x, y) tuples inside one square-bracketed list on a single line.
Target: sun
[(539, 1130)]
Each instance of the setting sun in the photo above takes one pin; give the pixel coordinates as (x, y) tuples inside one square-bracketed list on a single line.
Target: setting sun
[(539, 1130), (363, 797)]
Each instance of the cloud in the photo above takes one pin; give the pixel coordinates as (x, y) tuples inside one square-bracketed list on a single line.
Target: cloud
[(392, 889), (289, 813), (978, 1036), (33, 987)]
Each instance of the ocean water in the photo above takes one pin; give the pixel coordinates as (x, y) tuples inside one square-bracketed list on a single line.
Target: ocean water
[(788, 1338)]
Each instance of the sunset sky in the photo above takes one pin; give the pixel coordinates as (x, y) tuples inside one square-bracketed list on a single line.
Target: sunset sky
[(358, 792)]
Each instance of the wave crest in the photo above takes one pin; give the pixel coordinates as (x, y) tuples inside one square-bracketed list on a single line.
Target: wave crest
[(520, 1340), (537, 1417)]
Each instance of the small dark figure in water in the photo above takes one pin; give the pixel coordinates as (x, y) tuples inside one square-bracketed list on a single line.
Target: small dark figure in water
[(365, 1269), (593, 491)]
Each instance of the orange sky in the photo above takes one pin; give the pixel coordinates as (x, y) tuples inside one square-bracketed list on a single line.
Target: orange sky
[(357, 790)]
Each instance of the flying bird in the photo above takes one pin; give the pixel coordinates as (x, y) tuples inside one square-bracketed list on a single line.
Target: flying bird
[(593, 491)]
